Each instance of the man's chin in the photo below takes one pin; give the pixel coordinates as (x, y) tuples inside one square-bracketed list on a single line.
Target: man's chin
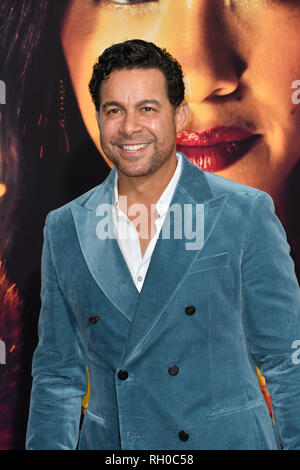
[(134, 172), (134, 168)]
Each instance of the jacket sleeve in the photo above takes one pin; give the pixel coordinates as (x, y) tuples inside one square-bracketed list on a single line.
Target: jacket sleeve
[(272, 315), (58, 368)]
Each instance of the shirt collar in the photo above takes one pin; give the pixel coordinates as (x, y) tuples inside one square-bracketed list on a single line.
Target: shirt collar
[(163, 203)]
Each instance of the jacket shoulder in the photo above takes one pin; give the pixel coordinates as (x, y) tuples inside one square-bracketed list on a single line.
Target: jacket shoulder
[(62, 212), (238, 192), (220, 184)]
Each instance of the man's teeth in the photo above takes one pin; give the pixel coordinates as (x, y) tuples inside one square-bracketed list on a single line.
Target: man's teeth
[(133, 148)]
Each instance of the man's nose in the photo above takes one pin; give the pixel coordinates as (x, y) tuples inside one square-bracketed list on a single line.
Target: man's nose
[(131, 124), (205, 50)]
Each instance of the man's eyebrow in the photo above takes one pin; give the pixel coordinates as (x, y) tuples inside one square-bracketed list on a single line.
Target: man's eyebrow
[(153, 101), (149, 101), (108, 104)]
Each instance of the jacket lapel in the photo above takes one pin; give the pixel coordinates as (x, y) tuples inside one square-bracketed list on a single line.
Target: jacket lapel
[(102, 255), (171, 259)]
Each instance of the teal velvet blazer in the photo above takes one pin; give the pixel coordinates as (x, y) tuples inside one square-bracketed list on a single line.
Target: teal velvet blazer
[(187, 346)]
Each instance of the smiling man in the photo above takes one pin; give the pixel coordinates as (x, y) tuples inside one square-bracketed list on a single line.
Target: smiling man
[(171, 335), (138, 127)]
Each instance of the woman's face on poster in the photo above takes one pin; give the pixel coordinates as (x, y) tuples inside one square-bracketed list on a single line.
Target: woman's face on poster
[(240, 59)]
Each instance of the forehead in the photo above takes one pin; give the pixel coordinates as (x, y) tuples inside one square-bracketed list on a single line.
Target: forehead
[(134, 85)]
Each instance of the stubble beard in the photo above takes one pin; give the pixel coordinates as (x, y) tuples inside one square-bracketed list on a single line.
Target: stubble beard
[(154, 162)]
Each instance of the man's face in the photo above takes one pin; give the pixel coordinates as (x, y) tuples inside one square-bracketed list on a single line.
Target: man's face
[(137, 122)]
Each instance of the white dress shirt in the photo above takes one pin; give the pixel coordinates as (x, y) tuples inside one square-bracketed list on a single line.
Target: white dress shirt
[(127, 235)]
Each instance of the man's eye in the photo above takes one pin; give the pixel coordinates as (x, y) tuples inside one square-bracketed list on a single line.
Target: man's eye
[(113, 111), (148, 108)]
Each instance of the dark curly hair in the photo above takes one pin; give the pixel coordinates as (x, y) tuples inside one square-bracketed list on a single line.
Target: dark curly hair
[(133, 54)]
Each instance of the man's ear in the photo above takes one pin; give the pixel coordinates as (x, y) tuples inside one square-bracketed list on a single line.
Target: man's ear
[(97, 117), (181, 116)]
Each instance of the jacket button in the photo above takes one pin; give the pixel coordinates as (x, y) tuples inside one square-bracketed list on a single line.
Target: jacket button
[(190, 310), (123, 374), (173, 370), (183, 436), (94, 319)]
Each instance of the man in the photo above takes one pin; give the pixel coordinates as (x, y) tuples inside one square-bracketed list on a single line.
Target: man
[(169, 283)]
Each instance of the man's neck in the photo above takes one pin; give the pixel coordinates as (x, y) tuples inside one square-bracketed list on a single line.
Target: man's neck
[(146, 189), (138, 197)]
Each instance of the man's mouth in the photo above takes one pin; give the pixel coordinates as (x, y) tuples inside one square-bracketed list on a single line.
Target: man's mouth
[(217, 148), (133, 148)]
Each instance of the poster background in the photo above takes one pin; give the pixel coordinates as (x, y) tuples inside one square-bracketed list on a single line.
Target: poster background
[(43, 170)]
